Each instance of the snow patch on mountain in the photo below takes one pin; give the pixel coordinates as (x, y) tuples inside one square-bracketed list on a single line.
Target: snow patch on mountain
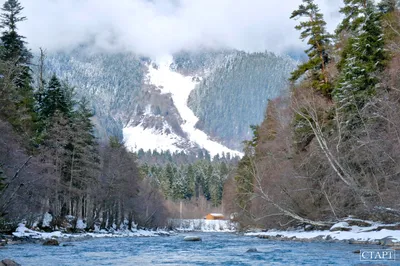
[(179, 87), (141, 137), (137, 138)]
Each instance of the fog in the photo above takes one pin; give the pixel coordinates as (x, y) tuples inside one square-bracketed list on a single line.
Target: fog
[(159, 27)]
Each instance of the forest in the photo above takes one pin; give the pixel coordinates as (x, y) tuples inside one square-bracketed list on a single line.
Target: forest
[(50, 159), (329, 148), (53, 159)]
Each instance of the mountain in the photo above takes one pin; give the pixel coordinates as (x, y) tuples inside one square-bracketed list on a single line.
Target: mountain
[(234, 94), (186, 102)]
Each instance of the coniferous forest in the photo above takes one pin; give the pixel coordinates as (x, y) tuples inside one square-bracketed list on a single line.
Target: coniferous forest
[(50, 159)]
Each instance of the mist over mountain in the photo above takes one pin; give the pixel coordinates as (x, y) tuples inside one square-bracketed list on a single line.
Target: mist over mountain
[(159, 27)]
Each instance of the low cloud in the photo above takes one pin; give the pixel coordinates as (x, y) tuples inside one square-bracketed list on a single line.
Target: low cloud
[(159, 27)]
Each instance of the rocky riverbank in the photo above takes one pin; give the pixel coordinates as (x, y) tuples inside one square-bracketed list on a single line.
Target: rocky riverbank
[(352, 231), (26, 235)]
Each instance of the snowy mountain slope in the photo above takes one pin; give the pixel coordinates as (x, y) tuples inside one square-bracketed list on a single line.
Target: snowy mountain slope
[(179, 87), (189, 102)]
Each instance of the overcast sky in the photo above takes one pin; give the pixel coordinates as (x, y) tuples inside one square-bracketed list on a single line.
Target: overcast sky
[(159, 27)]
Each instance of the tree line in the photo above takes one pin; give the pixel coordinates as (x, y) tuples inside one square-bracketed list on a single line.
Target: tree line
[(50, 158), (329, 148), (185, 182)]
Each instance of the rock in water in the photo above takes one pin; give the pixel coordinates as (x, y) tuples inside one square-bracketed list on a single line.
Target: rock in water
[(192, 238), (51, 242), (252, 250), (342, 226), (7, 262)]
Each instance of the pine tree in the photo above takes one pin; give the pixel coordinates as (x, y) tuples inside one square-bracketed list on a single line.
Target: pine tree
[(354, 16), (55, 155), (83, 145), (244, 183), (15, 66), (353, 12), (13, 44), (364, 58), (314, 30), (56, 96), (83, 156), (190, 186)]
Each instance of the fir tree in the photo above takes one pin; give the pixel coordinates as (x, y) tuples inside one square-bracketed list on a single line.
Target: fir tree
[(244, 183), (313, 30), (56, 96), (353, 12), (13, 44), (364, 59), (84, 161), (16, 58)]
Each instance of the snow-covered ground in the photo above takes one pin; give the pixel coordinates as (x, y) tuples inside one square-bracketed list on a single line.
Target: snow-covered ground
[(23, 231), (367, 233), (138, 137), (203, 225), (180, 87)]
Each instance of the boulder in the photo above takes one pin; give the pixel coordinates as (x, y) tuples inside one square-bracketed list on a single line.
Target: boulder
[(342, 226), (51, 242), (252, 250), (389, 241), (319, 238), (192, 238), (163, 233), (7, 262), (361, 242), (3, 242)]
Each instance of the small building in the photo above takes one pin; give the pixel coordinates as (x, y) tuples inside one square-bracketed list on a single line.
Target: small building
[(214, 216)]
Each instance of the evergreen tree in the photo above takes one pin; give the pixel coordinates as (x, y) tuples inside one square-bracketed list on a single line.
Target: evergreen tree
[(191, 187), (364, 59), (15, 70), (314, 30), (244, 183), (56, 96), (353, 12), (13, 44), (84, 162)]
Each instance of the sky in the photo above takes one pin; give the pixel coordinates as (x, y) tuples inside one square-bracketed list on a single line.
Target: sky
[(157, 28)]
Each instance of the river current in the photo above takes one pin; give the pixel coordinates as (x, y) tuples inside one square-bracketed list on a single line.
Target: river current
[(215, 249)]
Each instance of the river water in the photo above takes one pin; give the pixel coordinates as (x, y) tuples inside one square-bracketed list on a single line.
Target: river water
[(215, 249)]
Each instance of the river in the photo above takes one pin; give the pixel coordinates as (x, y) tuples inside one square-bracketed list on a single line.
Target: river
[(215, 249)]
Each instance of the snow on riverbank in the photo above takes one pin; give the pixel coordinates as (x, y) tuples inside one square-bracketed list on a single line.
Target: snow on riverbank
[(341, 231), (23, 231)]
